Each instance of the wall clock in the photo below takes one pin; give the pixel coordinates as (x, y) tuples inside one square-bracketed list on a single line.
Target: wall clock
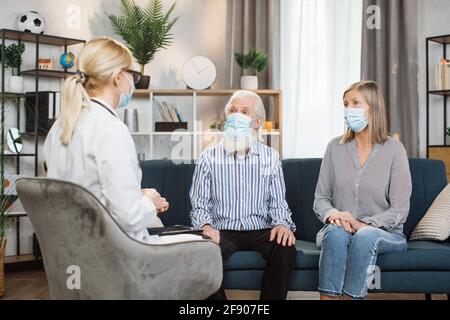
[(199, 73)]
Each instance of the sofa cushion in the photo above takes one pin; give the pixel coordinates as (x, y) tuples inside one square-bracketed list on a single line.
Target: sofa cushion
[(428, 180), (307, 258), (421, 255), (435, 226)]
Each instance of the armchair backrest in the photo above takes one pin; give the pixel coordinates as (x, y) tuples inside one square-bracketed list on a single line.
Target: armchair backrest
[(80, 240)]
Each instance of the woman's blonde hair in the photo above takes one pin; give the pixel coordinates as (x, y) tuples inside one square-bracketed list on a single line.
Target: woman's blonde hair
[(97, 65), (371, 92)]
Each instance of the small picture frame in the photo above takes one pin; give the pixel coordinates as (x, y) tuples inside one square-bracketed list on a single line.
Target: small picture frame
[(45, 64)]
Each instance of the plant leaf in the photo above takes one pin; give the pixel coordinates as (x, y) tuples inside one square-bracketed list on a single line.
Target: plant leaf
[(255, 61), (144, 30)]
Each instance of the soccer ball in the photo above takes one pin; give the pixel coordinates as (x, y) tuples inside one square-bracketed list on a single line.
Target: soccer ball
[(31, 21)]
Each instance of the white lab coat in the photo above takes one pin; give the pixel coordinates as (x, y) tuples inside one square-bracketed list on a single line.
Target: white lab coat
[(102, 158)]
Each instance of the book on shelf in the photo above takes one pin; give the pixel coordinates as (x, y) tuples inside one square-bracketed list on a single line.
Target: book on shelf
[(162, 111), (179, 116), (443, 75), (49, 108), (173, 113), (168, 112)]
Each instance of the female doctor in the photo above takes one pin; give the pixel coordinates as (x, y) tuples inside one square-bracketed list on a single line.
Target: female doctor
[(90, 146)]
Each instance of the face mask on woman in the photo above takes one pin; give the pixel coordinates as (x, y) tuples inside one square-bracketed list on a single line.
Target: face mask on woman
[(355, 119), (238, 125), (125, 99)]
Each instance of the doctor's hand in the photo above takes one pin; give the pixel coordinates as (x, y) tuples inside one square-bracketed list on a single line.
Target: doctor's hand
[(283, 235), (160, 203), (212, 233), (165, 206)]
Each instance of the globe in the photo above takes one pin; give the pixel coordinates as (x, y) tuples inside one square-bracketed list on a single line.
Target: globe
[(67, 60)]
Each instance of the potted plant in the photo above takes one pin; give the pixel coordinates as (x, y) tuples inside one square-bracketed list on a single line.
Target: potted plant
[(253, 62), (3, 206), (145, 31), (13, 60)]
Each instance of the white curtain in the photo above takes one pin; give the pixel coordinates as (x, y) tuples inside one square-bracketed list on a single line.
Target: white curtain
[(320, 58)]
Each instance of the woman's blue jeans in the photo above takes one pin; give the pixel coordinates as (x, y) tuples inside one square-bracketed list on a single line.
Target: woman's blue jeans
[(347, 262)]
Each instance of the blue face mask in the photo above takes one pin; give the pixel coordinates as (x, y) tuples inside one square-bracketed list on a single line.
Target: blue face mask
[(125, 99), (238, 125), (355, 119)]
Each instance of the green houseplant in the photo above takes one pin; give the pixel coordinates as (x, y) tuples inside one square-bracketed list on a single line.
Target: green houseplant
[(3, 206), (13, 60), (253, 62), (145, 31)]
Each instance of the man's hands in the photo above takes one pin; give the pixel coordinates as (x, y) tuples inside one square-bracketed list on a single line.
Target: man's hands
[(212, 233), (160, 203), (283, 235), (345, 220)]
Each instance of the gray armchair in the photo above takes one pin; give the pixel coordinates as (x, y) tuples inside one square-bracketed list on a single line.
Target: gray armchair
[(75, 229)]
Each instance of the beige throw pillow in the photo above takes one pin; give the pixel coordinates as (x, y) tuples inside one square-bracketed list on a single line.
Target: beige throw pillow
[(435, 225)]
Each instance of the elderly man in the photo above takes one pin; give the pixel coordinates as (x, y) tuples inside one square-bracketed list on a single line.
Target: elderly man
[(238, 196)]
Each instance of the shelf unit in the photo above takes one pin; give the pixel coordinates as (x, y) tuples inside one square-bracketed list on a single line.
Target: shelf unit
[(438, 152), (196, 133), (38, 40)]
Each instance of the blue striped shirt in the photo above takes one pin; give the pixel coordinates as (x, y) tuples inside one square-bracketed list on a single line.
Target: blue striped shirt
[(239, 194)]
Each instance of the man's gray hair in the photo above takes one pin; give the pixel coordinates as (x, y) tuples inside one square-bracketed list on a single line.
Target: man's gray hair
[(258, 107)]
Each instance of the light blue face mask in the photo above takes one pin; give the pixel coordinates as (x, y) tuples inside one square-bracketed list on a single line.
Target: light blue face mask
[(238, 125), (355, 119), (125, 99)]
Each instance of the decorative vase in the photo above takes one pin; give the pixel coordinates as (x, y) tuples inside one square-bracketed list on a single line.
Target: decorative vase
[(249, 83), (2, 270), (16, 84), (144, 82)]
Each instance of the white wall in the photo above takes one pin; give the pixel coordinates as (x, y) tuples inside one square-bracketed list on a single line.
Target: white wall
[(201, 30), (433, 20)]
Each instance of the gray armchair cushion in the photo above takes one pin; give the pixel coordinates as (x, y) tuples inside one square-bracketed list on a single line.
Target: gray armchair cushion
[(74, 228)]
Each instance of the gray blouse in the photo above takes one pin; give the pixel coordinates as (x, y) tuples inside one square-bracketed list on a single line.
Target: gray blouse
[(377, 193)]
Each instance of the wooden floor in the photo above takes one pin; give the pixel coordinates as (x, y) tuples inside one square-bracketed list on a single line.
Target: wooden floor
[(32, 285)]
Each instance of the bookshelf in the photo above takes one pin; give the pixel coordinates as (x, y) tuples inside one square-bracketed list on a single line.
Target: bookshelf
[(199, 109), (439, 151), (34, 43)]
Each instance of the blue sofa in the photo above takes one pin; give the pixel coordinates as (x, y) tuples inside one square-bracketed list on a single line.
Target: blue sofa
[(424, 268)]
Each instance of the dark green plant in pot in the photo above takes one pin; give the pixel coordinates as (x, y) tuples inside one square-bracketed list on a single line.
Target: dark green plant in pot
[(4, 202), (255, 61), (13, 57), (146, 30)]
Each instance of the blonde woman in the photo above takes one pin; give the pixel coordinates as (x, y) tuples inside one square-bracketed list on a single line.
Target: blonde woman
[(89, 145), (362, 197)]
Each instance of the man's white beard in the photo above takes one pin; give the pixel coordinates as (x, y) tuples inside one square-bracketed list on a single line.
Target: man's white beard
[(239, 145)]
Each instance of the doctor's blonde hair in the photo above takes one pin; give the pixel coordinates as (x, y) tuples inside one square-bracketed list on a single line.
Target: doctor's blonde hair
[(373, 95), (97, 64)]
